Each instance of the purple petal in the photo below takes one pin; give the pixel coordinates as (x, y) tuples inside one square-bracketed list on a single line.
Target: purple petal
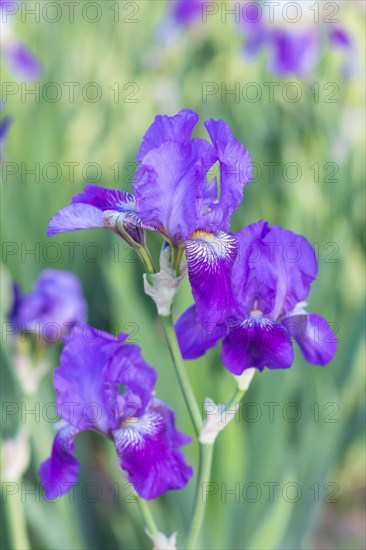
[(235, 169), (74, 217), (85, 398), (195, 338), (147, 448), (165, 128), (4, 128), (128, 367), (22, 62), (104, 198), (340, 37), (274, 270), (168, 186), (256, 342), (60, 472), (314, 336), (294, 52), (185, 12), (210, 260)]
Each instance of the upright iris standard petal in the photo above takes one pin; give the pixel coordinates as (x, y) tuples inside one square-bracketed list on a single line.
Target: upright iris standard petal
[(129, 368), (278, 268), (60, 472), (196, 338), (177, 128), (210, 261), (168, 186), (314, 337), (256, 342), (235, 169), (148, 449), (79, 379)]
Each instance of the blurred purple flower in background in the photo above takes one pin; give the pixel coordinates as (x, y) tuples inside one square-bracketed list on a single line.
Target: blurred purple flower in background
[(4, 129), (186, 12), (174, 197), (55, 304), (93, 366), (295, 40), (271, 278), (19, 59)]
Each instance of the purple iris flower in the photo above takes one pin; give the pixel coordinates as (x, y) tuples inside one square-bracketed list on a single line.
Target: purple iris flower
[(20, 60), (271, 278), (294, 48), (185, 12), (93, 366), (173, 196), (55, 304)]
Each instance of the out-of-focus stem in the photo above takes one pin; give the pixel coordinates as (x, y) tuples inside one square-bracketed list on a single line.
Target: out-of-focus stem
[(147, 516), (17, 525), (183, 379), (204, 475)]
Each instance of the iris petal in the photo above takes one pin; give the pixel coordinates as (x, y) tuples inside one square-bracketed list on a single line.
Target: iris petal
[(257, 342), (314, 337), (74, 217), (60, 471), (147, 448), (194, 337), (210, 259)]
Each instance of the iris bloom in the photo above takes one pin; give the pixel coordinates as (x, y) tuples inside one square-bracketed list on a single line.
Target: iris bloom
[(294, 47), (20, 60), (55, 304), (93, 367), (185, 12), (271, 278), (174, 198)]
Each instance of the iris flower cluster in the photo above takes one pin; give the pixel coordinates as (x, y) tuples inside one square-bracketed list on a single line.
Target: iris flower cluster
[(293, 48), (249, 289), (293, 41)]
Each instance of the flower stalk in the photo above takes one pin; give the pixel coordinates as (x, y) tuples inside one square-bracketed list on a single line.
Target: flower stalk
[(183, 379)]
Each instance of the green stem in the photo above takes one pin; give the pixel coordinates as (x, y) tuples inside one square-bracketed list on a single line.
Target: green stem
[(177, 256), (204, 475), (184, 382), (147, 517), (17, 525)]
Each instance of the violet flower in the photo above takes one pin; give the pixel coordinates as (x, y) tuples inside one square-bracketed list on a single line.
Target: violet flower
[(186, 12), (19, 59), (92, 368), (55, 304), (174, 198), (271, 278), (294, 48)]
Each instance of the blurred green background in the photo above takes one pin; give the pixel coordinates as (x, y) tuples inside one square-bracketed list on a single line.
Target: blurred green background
[(138, 74)]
